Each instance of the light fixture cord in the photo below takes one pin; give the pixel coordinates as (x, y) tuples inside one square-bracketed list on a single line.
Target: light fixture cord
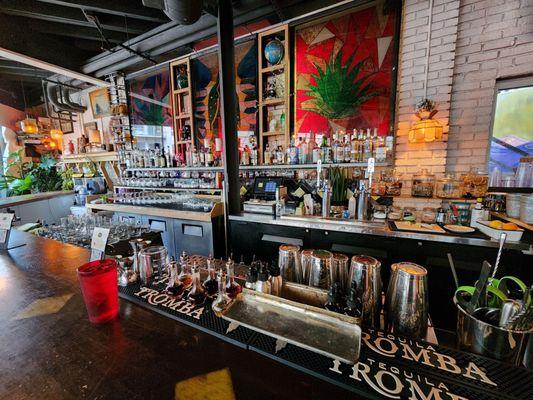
[(430, 22)]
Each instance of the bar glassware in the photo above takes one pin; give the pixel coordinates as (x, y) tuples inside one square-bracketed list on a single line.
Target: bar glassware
[(289, 263), (408, 300), (98, 283), (319, 275), (366, 272)]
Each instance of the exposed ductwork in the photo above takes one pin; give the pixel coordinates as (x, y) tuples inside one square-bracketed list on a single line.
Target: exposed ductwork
[(65, 96), (185, 12), (55, 97)]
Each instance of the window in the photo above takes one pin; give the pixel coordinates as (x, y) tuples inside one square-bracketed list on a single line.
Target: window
[(512, 129)]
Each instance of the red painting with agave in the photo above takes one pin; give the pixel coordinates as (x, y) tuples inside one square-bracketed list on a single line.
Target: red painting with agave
[(343, 72)]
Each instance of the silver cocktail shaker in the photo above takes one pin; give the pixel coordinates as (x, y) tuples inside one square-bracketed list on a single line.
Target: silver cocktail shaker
[(289, 263), (407, 304), (305, 262), (366, 272), (339, 271), (319, 275)]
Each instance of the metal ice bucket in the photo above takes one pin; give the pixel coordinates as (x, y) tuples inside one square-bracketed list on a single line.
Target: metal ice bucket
[(491, 341)]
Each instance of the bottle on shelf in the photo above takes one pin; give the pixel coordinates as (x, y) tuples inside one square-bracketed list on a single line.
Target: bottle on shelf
[(232, 287), (367, 146), (280, 155), (292, 153), (201, 156), (210, 284), (162, 158), (347, 148), (316, 152), (222, 300), (267, 155), (302, 151), (254, 157), (197, 293), (353, 146), (337, 149)]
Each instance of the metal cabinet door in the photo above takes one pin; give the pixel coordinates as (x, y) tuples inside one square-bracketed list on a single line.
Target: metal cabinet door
[(193, 237), (165, 225)]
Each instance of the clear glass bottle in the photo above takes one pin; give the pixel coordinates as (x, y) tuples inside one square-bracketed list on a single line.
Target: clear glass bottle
[(185, 276), (475, 184), (251, 278), (232, 287), (423, 184), (210, 284), (197, 293), (263, 284), (174, 286), (222, 300)]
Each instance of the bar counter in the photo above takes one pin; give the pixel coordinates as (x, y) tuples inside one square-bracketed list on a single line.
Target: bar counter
[(51, 351)]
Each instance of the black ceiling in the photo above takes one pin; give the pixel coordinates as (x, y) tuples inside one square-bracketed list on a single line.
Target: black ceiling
[(59, 32)]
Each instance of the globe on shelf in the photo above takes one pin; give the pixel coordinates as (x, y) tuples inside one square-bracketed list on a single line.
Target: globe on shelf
[(274, 51)]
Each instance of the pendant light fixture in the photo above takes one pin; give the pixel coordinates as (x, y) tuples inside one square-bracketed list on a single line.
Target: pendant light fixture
[(426, 129)]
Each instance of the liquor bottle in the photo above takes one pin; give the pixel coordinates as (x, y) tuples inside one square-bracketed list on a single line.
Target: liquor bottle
[(174, 286), (245, 156), (316, 152), (381, 150), (254, 157), (267, 155), (169, 158), (326, 151), (185, 276), (162, 158), (367, 146), (280, 155), (232, 287), (263, 284), (334, 302), (336, 149), (210, 158), (276, 282), (210, 284), (361, 152), (222, 300), (251, 277), (292, 153), (197, 293), (347, 148), (194, 157), (201, 156), (353, 303)]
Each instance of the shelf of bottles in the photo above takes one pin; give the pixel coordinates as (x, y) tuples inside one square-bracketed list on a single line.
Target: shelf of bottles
[(183, 123), (273, 88)]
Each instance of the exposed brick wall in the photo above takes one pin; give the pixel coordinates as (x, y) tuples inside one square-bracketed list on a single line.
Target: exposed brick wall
[(494, 40), (473, 43), (411, 158)]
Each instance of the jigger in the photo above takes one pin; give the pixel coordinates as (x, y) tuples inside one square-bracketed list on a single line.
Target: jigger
[(289, 263), (366, 272), (407, 301)]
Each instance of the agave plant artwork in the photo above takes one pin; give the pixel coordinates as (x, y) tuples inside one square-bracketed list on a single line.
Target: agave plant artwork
[(338, 90)]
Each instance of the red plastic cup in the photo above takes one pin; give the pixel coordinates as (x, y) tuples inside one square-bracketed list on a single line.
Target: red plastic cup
[(98, 283)]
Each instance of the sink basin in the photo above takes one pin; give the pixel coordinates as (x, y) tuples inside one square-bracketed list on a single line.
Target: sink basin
[(331, 220)]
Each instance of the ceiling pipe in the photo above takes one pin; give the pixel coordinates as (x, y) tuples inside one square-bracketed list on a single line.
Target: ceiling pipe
[(169, 44), (185, 12)]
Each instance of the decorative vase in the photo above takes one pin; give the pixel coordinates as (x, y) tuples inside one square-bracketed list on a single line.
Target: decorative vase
[(182, 81)]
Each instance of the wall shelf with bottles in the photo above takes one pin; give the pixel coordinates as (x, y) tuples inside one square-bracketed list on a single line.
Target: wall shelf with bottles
[(207, 169), (169, 189), (183, 121), (273, 87)]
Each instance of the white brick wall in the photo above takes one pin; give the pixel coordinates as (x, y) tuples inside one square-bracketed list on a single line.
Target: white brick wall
[(473, 43), (494, 40)]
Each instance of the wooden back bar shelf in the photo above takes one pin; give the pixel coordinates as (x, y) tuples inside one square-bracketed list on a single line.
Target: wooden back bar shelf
[(183, 115), (273, 107)]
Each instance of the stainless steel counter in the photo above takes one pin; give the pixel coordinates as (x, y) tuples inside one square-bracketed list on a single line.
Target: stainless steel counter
[(371, 228)]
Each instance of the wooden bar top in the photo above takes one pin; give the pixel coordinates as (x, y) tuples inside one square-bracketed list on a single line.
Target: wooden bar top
[(50, 350), (30, 198)]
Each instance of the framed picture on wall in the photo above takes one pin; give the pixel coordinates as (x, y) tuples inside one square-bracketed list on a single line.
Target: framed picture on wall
[(344, 71), (100, 103)]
